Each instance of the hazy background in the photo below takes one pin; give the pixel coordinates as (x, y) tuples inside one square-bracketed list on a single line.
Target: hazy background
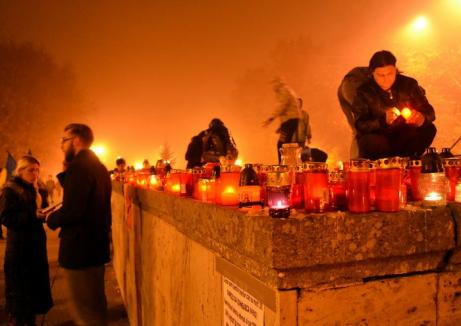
[(154, 73)]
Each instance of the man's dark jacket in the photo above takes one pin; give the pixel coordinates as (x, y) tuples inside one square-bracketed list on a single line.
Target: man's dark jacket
[(85, 215), (372, 102)]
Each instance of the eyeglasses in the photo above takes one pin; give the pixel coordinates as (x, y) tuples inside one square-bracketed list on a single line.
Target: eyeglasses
[(63, 140)]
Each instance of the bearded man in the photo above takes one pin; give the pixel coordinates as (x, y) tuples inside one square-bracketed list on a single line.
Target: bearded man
[(85, 222)]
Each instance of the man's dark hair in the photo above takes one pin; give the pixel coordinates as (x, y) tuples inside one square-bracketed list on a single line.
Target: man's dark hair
[(119, 161), (381, 59), (81, 131)]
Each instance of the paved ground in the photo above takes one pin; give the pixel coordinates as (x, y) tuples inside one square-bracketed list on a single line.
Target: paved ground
[(58, 314)]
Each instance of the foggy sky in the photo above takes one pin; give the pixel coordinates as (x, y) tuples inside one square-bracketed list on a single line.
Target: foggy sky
[(158, 71)]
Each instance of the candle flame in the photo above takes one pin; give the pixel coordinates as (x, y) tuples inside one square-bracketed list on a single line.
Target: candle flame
[(153, 180), (406, 113), (229, 190), (433, 196)]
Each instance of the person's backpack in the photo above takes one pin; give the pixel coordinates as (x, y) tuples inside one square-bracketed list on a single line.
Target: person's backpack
[(194, 151), (347, 91), (215, 146)]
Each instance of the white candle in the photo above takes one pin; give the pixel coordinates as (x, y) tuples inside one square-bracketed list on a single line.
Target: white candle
[(433, 196)]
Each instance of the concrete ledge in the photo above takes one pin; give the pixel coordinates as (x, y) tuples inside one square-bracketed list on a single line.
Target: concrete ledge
[(315, 249)]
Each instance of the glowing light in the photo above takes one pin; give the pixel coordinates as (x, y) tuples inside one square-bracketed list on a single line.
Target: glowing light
[(153, 181), (406, 113), (420, 24), (229, 190), (239, 162), (455, 4), (138, 165), (100, 150), (433, 196)]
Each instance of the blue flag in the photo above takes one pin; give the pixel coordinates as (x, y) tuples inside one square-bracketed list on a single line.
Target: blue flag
[(10, 164)]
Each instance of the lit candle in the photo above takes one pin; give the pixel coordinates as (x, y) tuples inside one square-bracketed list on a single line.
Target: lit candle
[(458, 191), (153, 181), (406, 113), (433, 196), (279, 204), (175, 188), (229, 196)]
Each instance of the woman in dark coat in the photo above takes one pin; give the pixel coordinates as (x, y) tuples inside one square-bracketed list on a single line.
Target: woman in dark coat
[(27, 282)]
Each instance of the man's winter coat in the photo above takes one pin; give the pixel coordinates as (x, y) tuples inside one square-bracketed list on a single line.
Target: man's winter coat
[(85, 215), (372, 102)]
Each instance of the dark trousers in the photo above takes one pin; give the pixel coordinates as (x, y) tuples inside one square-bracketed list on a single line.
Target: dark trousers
[(21, 320), (405, 141), (87, 301), (286, 130)]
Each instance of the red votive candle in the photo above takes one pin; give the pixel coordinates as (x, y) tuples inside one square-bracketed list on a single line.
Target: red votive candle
[(186, 183), (414, 171), (173, 182), (197, 174), (262, 176), (228, 188), (316, 192), (337, 185), (358, 186), (452, 168), (297, 189), (388, 182)]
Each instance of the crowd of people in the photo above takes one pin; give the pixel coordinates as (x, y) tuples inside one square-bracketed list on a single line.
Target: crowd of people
[(373, 99)]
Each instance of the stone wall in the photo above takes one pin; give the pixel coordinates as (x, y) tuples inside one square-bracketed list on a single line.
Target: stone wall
[(170, 254)]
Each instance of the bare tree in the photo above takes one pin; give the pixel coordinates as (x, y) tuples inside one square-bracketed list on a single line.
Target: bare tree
[(167, 154), (37, 98)]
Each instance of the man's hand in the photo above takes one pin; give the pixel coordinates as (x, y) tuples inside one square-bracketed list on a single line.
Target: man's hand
[(391, 115), (416, 118), (41, 215)]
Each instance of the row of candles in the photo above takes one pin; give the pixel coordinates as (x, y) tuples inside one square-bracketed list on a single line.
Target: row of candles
[(359, 187)]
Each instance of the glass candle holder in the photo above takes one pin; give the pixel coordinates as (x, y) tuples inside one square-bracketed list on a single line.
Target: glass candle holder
[(297, 189), (207, 190), (173, 182), (228, 188), (452, 168), (404, 177), (388, 184), (433, 188), (414, 171), (458, 191), (142, 179), (372, 182), (154, 182), (197, 174), (278, 192), (316, 192), (130, 177), (337, 186), (290, 155), (249, 188), (358, 186), (262, 176), (186, 185)]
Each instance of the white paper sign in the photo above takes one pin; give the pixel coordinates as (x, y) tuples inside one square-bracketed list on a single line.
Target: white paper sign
[(240, 307)]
